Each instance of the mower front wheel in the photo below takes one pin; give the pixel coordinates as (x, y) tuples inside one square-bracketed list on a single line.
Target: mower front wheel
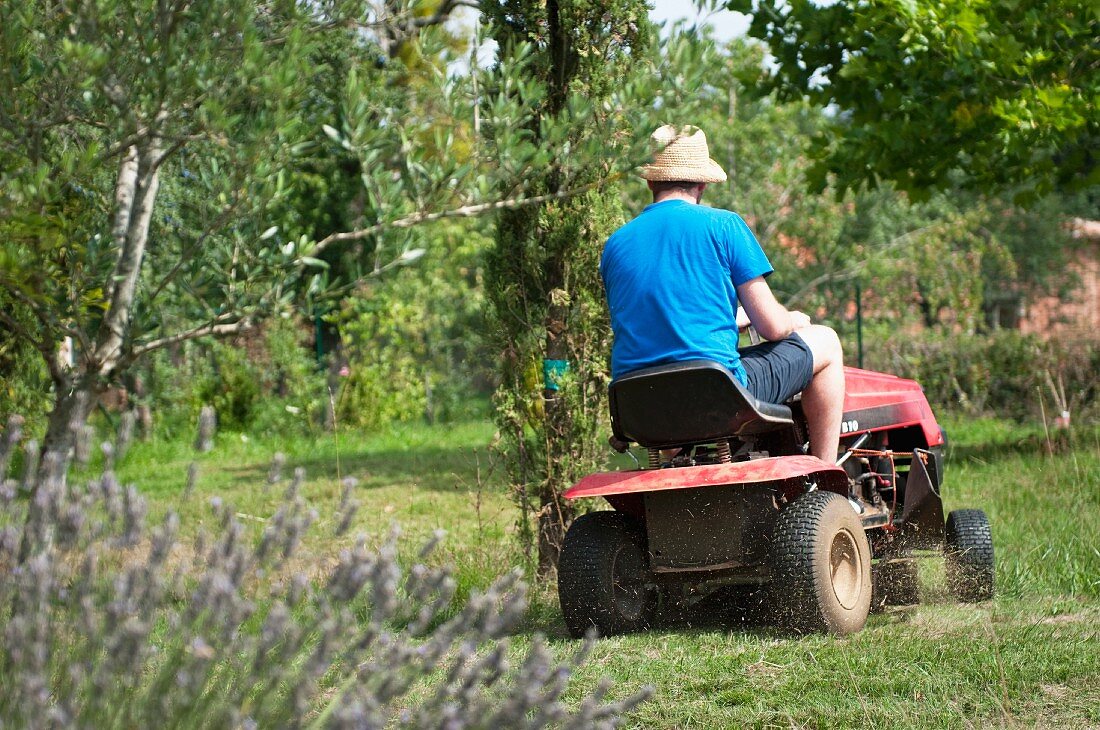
[(603, 575), (821, 566), (968, 555)]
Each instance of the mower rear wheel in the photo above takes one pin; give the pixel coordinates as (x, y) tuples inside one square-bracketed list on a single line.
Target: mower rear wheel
[(968, 555), (603, 575), (821, 566)]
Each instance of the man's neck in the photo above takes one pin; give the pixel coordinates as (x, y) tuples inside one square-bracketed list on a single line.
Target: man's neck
[(675, 195)]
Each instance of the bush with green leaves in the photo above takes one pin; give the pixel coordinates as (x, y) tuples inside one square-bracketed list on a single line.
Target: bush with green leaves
[(108, 623), (293, 383), (231, 385), (412, 340), (269, 382), (1001, 372)]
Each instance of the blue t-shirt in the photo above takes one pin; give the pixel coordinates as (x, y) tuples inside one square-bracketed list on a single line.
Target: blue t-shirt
[(670, 276)]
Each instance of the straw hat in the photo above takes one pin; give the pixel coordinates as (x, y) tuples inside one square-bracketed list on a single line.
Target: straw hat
[(681, 153)]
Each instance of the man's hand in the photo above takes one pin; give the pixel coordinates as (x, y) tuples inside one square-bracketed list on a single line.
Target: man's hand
[(770, 318), (799, 320)]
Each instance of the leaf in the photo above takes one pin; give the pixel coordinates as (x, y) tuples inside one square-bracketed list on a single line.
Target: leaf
[(333, 134), (311, 261)]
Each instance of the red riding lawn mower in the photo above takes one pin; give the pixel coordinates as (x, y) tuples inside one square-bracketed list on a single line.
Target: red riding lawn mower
[(741, 504)]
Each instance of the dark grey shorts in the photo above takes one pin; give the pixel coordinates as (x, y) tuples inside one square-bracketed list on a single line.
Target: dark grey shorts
[(778, 370)]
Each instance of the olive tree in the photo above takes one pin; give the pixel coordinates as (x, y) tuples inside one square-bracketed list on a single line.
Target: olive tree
[(149, 155), (100, 103)]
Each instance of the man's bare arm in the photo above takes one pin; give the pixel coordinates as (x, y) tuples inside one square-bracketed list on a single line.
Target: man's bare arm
[(770, 318), (743, 320)]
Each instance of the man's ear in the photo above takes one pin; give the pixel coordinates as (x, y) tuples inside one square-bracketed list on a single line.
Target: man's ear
[(699, 192)]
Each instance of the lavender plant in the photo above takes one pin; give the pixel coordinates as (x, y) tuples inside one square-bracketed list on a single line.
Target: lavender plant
[(82, 445), (208, 420), (110, 623), (126, 423)]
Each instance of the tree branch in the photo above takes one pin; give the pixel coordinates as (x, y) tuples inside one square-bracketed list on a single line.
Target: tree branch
[(212, 329), (833, 276), (465, 211), (850, 272), (442, 14)]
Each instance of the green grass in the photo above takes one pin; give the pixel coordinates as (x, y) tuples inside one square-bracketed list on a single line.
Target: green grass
[(1026, 659), (415, 477)]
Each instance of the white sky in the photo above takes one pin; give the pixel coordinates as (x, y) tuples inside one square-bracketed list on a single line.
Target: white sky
[(727, 24)]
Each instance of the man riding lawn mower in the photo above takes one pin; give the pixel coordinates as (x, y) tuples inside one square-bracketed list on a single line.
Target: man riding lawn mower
[(772, 467)]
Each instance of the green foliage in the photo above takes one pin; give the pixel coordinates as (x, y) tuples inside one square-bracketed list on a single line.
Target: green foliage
[(231, 386), (266, 383), (161, 183), (999, 95), (409, 341), (104, 107), (387, 379), (927, 261), (113, 78), (291, 377), (412, 340), (521, 309), (945, 261), (24, 383), (1001, 372)]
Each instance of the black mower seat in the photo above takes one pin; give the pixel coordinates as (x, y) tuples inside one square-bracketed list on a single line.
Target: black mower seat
[(692, 402)]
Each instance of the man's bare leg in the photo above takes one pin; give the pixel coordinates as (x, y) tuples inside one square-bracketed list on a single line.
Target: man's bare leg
[(823, 398)]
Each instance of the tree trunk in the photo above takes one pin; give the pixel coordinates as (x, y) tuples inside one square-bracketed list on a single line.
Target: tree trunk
[(555, 514), (542, 277), (76, 393), (71, 407), (553, 520), (136, 193)]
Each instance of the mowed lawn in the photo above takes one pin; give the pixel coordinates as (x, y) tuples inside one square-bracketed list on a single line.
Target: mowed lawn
[(1029, 658)]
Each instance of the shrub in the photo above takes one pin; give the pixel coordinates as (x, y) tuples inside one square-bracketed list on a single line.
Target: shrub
[(1002, 372), (293, 383), (108, 623), (268, 383), (412, 339), (232, 386), (389, 373)]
